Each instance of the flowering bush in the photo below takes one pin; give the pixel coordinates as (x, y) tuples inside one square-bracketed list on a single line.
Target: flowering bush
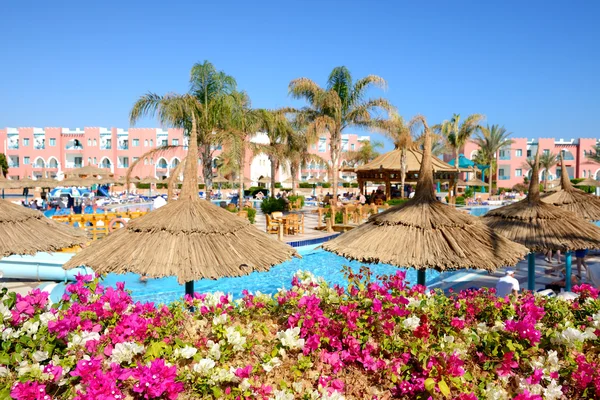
[(375, 339)]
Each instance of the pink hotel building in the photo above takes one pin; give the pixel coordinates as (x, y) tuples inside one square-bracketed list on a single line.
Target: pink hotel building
[(511, 161), (31, 151)]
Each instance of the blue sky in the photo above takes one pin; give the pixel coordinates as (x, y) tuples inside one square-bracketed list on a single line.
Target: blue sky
[(532, 66)]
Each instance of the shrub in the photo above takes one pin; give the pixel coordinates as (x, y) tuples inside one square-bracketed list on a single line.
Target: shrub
[(293, 198), (326, 185), (309, 341), (306, 185), (278, 185), (339, 217), (251, 213), (350, 185), (271, 204), (469, 192), (395, 202)]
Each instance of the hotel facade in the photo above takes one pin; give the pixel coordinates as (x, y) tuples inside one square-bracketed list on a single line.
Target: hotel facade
[(33, 152), (512, 167)]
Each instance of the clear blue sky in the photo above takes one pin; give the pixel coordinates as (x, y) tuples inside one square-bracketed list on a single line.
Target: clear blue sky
[(533, 66)]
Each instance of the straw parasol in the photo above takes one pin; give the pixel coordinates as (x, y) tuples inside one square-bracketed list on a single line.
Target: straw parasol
[(47, 183), (90, 170), (264, 179), (27, 183), (189, 238), (541, 226), (313, 180), (75, 181), (8, 183), (589, 182), (220, 179), (149, 180), (585, 205), (471, 182), (424, 233), (25, 231)]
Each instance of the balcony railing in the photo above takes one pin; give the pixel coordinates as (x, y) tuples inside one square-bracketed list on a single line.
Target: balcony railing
[(161, 166), (123, 166), (123, 147), (73, 165), (13, 146), (74, 147), (13, 165), (505, 157), (106, 147), (40, 146), (568, 157), (503, 177), (105, 166)]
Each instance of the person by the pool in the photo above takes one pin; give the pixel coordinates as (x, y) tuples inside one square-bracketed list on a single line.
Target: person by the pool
[(580, 258), (507, 284)]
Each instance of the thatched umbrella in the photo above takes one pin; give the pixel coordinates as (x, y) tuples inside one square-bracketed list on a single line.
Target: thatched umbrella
[(74, 181), (149, 180), (24, 231), (90, 170), (585, 205), (220, 179), (471, 182), (589, 182), (264, 179), (424, 233), (47, 183), (541, 226), (189, 238)]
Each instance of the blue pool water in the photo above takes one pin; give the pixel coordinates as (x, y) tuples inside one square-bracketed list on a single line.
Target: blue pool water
[(319, 262)]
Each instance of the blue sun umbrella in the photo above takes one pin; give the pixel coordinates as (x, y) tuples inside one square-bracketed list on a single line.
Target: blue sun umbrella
[(72, 191)]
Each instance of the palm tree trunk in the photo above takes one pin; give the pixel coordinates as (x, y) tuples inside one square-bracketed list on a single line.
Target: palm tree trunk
[(207, 168), (189, 188), (491, 176), (335, 156), (241, 178), (273, 169), (402, 171), (293, 172), (455, 186)]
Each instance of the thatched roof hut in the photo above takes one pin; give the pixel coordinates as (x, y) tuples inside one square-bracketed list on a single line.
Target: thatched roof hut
[(149, 180), (541, 226), (424, 233), (189, 238), (24, 231), (220, 179), (589, 182), (585, 205)]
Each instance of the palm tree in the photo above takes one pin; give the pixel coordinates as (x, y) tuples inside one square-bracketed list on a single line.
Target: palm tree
[(297, 152), (278, 129), (244, 123), (212, 89), (366, 152), (340, 105), (457, 134), (594, 155), (547, 161), (179, 111), (490, 140), (396, 129)]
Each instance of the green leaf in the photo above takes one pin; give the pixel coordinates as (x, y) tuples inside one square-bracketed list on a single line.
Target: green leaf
[(429, 384), (4, 359), (444, 388)]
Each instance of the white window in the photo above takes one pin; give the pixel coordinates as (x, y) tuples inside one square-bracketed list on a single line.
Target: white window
[(145, 161), (175, 142), (135, 159), (352, 146), (52, 142), (546, 152), (26, 160), (146, 143), (89, 142), (518, 171), (89, 160), (519, 153), (151, 142), (135, 142), (26, 142), (95, 161), (95, 143)]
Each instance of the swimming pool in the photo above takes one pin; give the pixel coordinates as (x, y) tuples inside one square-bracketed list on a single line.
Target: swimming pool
[(319, 262)]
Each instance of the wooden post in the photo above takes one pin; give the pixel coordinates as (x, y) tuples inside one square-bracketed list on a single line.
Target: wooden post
[(345, 216), (280, 232), (333, 212), (320, 217), (328, 224)]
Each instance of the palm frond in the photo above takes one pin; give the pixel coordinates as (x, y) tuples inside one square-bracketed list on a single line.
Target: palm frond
[(304, 88)]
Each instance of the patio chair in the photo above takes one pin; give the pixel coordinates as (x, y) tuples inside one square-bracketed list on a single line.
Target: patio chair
[(293, 224), (272, 226)]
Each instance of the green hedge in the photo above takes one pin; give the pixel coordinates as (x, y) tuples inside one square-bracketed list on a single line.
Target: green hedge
[(326, 185), (460, 200), (162, 186), (251, 213), (272, 204), (293, 198), (348, 184), (339, 218), (395, 202), (306, 185)]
